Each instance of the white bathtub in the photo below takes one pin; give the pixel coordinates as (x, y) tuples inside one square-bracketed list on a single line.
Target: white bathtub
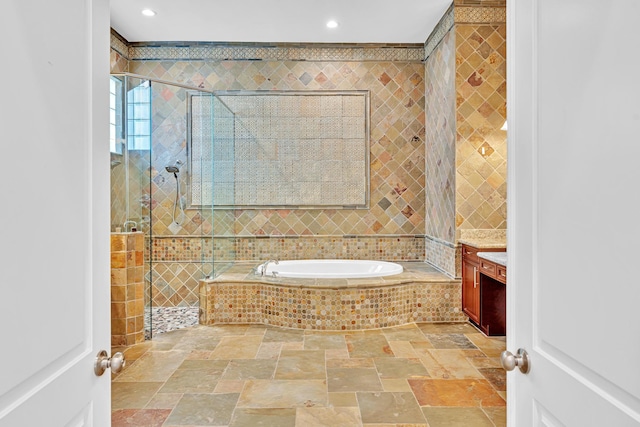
[(332, 269)]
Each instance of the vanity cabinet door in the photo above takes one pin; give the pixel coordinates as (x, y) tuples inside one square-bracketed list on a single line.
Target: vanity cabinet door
[(470, 291)]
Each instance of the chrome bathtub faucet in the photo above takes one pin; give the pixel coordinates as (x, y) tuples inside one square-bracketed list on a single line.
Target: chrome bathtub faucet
[(263, 271)]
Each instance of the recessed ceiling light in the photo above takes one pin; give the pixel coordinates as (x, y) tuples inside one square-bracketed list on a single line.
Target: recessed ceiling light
[(148, 12), (332, 24)]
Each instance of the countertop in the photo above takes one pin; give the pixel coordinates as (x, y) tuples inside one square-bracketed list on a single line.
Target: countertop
[(484, 243), (497, 257)]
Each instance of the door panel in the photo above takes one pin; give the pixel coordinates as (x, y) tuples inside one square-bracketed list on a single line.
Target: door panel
[(573, 124), (55, 277)]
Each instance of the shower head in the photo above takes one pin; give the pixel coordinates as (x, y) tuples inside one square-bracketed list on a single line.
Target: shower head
[(172, 169)]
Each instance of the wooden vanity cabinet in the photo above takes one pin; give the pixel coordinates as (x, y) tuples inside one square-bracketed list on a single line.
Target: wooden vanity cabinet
[(472, 304)]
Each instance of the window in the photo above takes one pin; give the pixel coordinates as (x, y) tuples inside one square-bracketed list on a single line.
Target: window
[(115, 115), (139, 117)]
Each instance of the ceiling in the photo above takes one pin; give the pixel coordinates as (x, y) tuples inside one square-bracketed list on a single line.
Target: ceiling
[(278, 21)]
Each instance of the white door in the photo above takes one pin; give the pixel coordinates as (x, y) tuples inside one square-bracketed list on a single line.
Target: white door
[(574, 200), (54, 212)]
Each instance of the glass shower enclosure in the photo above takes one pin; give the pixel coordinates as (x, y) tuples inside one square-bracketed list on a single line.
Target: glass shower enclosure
[(168, 141)]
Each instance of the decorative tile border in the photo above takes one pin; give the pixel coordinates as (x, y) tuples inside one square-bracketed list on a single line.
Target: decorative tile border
[(326, 308), (480, 15), (224, 248), (438, 33), (217, 52), (119, 44)]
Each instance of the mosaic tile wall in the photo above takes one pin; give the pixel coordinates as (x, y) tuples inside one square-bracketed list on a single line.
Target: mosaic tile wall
[(397, 139), (223, 249), (330, 309), (127, 288), (440, 149), (285, 149), (481, 157)]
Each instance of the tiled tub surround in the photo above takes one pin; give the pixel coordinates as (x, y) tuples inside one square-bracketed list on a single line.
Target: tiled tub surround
[(127, 288), (419, 294), (179, 262)]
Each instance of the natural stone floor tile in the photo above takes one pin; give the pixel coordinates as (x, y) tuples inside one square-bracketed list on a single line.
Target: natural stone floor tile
[(237, 347), (192, 381), (353, 379), (229, 386), (403, 333), (388, 407), (484, 362), (203, 344), (400, 368), (496, 376), (343, 399), (303, 364), (351, 363), (283, 393), (134, 395), (240, 375), (455, 393), (447, 364), (497, 415), (456, 417), (324, 342), (139, 417), (490, 346), (337, 354), (269, 350), (264, 417), (283, 335), (452, 341), (164, 401), (395, 385), (134, 352), (203, 409), (368, 345), (322, 417), (447, 328), (199, 354), (197, 364), (403, 349), (153, 366), (247, 369)]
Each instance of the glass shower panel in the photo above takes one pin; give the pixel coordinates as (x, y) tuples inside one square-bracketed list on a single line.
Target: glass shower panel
[(213, 176), (137, 152), (225, 188)]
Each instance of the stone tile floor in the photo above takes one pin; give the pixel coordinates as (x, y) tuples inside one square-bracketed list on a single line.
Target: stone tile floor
[(433, 375)]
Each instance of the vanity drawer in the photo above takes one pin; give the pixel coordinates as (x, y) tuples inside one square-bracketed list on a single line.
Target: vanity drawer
[(469, 253), (501, 274), (488, 268)]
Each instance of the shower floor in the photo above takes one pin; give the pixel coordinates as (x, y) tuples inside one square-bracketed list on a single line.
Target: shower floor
[(165, 319)]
